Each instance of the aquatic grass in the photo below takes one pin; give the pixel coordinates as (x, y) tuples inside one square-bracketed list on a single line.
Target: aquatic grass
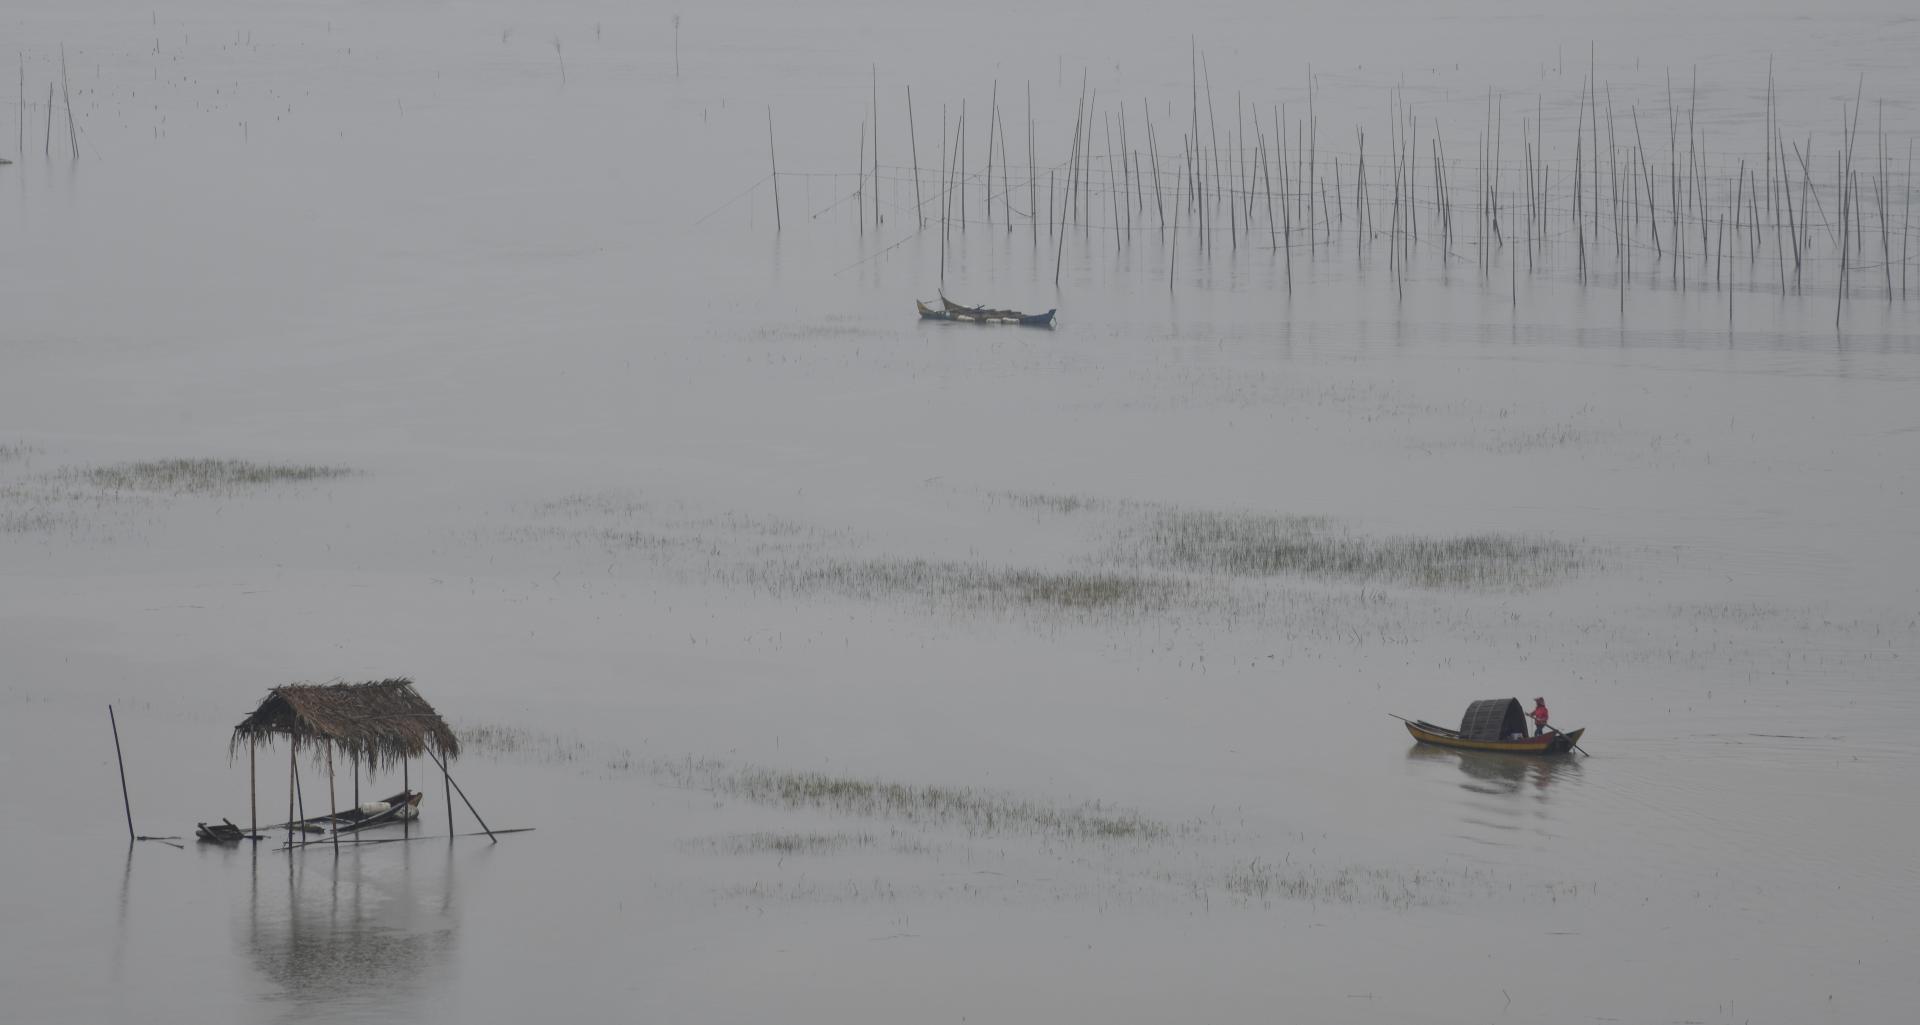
[(1266, 545), (1557, 436), (783, 844), (978, 812), (204, 476), (977, 585), (1265, 881), (27, 521), (16, 451), (500, 739), (1063, 505)]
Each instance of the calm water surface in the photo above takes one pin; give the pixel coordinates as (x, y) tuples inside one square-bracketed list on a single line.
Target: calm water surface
[(613, 431)]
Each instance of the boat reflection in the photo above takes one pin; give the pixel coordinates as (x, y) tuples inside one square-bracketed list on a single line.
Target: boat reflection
[(1491, 772)]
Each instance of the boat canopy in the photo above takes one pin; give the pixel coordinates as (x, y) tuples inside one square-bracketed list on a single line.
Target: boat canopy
[(1493, 719)]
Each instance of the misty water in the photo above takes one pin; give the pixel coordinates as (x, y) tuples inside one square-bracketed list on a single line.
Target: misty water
[(855, 668)]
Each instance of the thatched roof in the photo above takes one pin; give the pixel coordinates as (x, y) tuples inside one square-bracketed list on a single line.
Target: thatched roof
[(382, 722)]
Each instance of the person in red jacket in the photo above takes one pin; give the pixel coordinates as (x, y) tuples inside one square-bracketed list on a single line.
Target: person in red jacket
[(1540, 726)]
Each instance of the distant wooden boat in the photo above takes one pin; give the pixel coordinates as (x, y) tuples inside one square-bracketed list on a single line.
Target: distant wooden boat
[(950, 310), (1497, 724)]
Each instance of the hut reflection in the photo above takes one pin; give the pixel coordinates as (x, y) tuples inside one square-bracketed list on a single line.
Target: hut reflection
[(365, 933)]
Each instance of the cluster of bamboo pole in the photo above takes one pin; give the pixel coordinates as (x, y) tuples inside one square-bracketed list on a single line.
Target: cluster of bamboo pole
[(1691, 218), (66, 93)]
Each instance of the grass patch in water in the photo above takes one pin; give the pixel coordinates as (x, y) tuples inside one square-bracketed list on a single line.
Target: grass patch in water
[(1266, 882), (1263, 544), (203, 476), (783, 844), (976, 811), (979, 585), (1064, 505)]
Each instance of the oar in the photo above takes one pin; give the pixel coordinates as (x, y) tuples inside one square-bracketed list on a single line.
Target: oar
[(1576, 746)]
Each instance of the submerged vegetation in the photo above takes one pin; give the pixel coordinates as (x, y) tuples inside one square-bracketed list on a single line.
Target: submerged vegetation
[(1105, 853), (783, 844), (978, 812), (1263, 545), (981, 586), (203, 476), (1125, 559)]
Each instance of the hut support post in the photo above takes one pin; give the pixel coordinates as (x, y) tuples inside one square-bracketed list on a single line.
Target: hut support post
[(333, 810), (448, 776), (253, 790), (406, 787), (446, 784)]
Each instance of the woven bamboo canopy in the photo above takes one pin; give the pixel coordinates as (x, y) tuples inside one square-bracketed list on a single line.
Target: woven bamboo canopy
[(381, 723)]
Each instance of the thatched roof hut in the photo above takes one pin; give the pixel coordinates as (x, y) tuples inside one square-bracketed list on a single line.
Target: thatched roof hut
[(381, 723)]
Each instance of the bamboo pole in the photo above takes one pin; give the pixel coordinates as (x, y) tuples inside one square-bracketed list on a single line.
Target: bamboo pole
[(1173, 246), (333, 810), (446, 779), (774, 159), (1033, 172), (913, 141), (293, 774), (126, 801), (993, 114), (440, 759), (253, 788)]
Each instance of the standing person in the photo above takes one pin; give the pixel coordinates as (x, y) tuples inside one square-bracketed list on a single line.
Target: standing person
[(1540, 717)]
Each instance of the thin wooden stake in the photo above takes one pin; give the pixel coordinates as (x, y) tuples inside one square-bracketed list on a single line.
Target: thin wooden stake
[(126, 802), (774, 159)]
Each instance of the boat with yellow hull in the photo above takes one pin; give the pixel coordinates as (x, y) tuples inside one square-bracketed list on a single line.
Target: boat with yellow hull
[(1551, 744), (1496, 724)]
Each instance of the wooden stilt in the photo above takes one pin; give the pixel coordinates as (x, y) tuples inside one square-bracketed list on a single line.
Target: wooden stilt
[(293, 768), (333, 810), (253, 788), (447, 785)]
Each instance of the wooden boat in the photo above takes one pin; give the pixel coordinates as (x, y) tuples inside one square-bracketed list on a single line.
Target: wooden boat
[(1497, 724), (950, 310), (223, 831), (403, 805)]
